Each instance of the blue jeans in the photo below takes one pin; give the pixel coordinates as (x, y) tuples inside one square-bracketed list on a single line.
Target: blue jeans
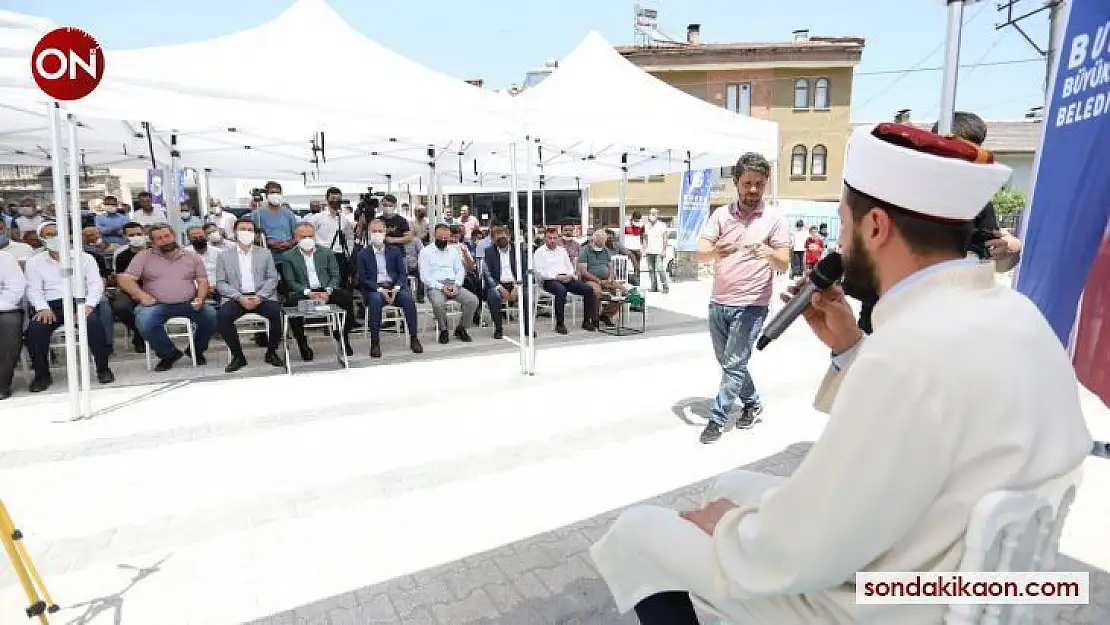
[(151, 320), (734, 330), (107, 319)]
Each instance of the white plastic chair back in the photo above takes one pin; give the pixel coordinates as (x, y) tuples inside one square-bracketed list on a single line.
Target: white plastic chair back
[(621, 266), (1014, 531)]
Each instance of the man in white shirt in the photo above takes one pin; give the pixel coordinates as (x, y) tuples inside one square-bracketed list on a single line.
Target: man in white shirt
[(441, 269), (553, 267), (214, 245), (147, 213), (44, 293), (247, 279), (30, 216), (12, 287), (655, 248), (909, 449), (223, 220), (19, 250), (798, 240)]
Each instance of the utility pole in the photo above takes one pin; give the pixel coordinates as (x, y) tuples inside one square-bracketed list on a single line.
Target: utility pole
[(1055, 23), (953, 39)]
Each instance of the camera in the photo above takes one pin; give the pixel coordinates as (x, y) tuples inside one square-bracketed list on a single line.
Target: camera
[(257, 194), (978, 243)]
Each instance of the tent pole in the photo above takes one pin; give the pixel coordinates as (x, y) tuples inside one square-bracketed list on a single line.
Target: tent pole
[(65, 255), (514, 215), (526, 245), (205, 191), (172, 194), (951, 66), (80, 296), (624, 190)]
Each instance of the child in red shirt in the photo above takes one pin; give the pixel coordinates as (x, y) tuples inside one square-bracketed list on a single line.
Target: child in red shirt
[(815, 248)]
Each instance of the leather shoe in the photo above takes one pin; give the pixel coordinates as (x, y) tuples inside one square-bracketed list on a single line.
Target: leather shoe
[(306, 352), (444, 337), (6, 393), (201, 360), (105, 376), (166, 364), (375, 349), (416, 346), (589, 326), (41, 384), (561, 329), (237, 362), (462, 335), (273, 358), (498, 334)]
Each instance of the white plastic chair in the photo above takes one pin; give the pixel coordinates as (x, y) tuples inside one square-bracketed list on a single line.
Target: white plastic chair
[(389, 313), (1014, 531), (185, 331)]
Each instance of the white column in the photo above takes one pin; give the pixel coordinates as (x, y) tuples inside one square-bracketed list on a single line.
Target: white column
[(204, 190), (79, 270), (624, 191), (65, 258), (529, 283), (514, 216), (951, 65), (585, 206)]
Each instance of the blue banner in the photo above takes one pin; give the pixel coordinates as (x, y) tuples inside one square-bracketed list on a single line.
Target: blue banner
[(155, 186), (1070, 207), (693, 208)]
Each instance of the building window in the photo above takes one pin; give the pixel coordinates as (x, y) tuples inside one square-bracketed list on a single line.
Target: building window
[(821, 93), (820, 158), (798, 161), (801, 94), (738, 98)]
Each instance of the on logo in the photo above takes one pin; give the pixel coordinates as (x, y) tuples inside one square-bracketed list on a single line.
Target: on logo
[(67, 64)]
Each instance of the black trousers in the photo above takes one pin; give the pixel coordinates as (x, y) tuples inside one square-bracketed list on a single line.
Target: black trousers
[(667, 608), (797, 263), (11, 344), (123, 308), (560, 290), (345, 272), (231, 311), (339, 297), (38, 340)]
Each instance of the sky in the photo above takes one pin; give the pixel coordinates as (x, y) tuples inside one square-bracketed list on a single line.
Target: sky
[(499, 40)]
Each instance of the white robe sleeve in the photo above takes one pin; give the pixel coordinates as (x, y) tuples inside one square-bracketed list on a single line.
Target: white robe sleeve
[(880, 463)]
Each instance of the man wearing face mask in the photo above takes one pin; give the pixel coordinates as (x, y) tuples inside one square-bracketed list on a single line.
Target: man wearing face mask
[(441, 269), (384, 282), (110, 222), (123, 305), (198, 243), (276, 222), (19, 250), (246, 279), (13, 286), (312, 272), (336, 233), (223, 220), (45, 284), (397, 231), (595, 266), (503, 285), (555, 269), (656, 240), (188, 220), (174, 283), (420, 225), (30, 217), (147, 213)]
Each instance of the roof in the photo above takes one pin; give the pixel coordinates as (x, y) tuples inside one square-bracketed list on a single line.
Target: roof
[(1003, 136), (849, 48)]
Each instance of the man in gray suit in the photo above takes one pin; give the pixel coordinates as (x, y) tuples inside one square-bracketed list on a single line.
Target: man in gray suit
[(246, 279)]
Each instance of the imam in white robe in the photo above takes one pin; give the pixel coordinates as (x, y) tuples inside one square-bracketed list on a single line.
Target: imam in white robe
[(962, 389)]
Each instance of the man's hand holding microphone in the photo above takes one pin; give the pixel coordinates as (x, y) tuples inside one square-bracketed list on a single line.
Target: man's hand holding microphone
[(829, 316)]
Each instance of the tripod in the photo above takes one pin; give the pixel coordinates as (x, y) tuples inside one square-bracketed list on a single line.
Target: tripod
[(25, 569)]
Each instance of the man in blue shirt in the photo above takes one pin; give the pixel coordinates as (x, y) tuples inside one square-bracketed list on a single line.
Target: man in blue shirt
[(276, 222), (442, 271), (110, 223)]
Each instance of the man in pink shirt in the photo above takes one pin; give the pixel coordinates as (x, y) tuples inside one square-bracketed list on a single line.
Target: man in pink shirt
[(748, 243)]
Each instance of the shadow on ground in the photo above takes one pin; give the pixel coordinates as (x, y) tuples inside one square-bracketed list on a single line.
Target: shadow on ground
[(114, 602)]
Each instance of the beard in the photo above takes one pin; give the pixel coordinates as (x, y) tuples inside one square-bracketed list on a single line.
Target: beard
[(860, 279)]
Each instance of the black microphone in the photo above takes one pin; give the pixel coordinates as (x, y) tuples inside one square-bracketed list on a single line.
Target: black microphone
[(825, 274)]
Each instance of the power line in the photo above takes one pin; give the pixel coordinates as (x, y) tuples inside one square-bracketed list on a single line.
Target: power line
[(939, 68)]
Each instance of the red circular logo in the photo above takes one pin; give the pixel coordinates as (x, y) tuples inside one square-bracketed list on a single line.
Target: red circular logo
[(67, 64)]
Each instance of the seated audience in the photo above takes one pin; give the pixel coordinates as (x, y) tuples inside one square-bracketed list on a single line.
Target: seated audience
[(502, 285), (595, 268), (96, 247), (224, 222), (45, 284), (146, 213), (441, 269), (312, 272), (19, 250), (247, 279), (571, 244), (168, 282), (30, 216), (412, 263), (472, 282), (110, 222), (32, 239), (209, 242), (123, 305), (12, 287), (384, 282), (553, 267)]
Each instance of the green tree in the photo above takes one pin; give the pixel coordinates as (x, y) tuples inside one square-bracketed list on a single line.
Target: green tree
[(1009, 201)]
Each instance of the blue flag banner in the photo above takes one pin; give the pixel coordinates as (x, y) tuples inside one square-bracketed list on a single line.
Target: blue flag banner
[(154, 186), (1070, 206), (693, 208)]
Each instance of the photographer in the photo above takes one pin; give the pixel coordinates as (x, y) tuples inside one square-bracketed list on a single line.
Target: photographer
[(988, 241), (336, 233)]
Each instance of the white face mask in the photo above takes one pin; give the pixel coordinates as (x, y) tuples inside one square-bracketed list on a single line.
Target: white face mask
[(246, 237), (186, 215), (307, 244), (137, 241), (110, 208), (215, 237), (377, 238), (388, 210), (274, 199), (215, 210)]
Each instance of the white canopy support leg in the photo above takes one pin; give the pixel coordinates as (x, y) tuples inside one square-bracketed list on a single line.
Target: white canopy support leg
[(951, 65), (80, 296), (624, 191), (434, 214), (65, 258), (204, 189), (172, 193), (529, 281), (518, 238)]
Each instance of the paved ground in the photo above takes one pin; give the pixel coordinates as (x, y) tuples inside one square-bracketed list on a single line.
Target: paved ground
[(215, 500)]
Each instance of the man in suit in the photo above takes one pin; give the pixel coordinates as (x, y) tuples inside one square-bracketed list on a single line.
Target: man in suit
[(501, 283), (383, 278), (246, 279), (312, 272)]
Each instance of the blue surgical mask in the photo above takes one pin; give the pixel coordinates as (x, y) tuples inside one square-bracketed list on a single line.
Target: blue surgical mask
[(52, 244)]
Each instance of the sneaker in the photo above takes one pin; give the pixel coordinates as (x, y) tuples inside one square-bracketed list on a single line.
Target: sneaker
[(749, 417), (711, 434)]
